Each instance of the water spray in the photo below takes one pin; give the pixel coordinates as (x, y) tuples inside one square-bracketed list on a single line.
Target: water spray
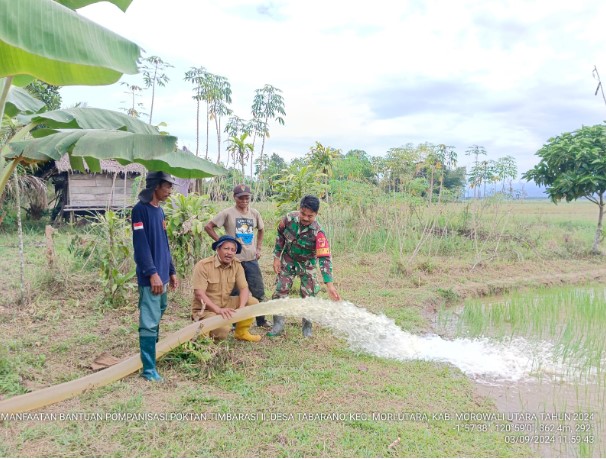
[(365, 332)]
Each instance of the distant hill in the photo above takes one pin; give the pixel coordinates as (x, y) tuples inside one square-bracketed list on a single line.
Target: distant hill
[(531, 190), (522, 189)]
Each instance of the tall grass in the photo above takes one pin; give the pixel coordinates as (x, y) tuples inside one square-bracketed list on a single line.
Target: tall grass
[(288, 375), (482, 231)]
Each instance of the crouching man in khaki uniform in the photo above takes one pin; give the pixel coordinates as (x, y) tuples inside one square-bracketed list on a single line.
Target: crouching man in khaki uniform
[(213, 280)]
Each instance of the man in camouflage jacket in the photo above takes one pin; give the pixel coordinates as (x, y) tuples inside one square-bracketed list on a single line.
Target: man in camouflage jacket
[(300, 245)]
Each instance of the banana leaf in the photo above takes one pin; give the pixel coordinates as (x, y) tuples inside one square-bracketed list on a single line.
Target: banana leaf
[(155, 152), (75, 4), (53, 43), (90, 118), (21, 101)]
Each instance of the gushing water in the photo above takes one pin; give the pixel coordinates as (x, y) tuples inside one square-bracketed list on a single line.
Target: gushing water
[(482, 359)]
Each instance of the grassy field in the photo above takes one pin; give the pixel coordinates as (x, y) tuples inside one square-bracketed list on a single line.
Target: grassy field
[(404, 261)]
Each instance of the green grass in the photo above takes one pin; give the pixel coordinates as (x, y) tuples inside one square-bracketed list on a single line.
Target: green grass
[(400, 259), (307, 382)]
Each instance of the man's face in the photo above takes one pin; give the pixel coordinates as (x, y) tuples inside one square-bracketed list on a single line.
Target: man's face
[(163, 191), (227, 252), (243, 201), (307, 216)]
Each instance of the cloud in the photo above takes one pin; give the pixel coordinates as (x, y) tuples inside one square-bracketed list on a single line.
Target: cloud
[(507, 75)]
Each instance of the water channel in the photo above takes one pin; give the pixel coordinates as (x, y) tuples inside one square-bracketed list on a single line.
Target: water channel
[(551, 390)]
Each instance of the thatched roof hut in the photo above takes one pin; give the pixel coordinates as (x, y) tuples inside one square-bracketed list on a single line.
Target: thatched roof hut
[(113, 188)]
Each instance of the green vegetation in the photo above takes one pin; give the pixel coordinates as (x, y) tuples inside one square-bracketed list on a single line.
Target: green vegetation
[(404, 245), (568, 324), (573, 166), (572, 318), (396, 257)]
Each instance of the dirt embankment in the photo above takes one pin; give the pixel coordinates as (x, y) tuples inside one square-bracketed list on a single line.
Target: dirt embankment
[(509, 281)]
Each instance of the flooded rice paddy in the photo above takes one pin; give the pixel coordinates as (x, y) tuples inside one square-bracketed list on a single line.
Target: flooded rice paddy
[(539, 355)]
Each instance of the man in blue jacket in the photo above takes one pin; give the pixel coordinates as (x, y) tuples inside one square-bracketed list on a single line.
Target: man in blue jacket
[(155, 270)]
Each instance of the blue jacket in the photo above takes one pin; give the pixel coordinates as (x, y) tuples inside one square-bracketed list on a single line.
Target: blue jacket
[(150, 242)]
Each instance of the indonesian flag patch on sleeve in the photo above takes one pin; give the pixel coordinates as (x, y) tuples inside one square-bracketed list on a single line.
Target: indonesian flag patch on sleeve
[(322, 248), (137, 226)]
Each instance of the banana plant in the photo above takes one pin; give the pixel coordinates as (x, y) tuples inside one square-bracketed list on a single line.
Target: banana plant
[(48, 40), (90, 135)]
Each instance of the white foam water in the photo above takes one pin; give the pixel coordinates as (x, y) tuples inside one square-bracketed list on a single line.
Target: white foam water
[(483, 359)]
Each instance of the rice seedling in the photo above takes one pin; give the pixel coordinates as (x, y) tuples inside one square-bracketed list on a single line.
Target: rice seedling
[(572, 321)]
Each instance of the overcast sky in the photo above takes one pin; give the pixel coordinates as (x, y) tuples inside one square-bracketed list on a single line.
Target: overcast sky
[(506, 75)]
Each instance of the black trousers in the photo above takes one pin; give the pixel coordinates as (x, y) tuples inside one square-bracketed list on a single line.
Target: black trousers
[(254, 278)]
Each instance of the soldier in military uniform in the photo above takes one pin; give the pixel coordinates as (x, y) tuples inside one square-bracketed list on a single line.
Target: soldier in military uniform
[(300, 245), (214, 279)]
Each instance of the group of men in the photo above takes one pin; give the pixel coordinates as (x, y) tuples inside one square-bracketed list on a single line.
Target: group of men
[(231, 278)]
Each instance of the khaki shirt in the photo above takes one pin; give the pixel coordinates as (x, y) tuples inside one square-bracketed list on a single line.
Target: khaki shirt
[(217, 281)]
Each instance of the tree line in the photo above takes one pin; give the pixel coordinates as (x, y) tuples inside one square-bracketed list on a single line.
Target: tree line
[(426, 170), (212, 94)]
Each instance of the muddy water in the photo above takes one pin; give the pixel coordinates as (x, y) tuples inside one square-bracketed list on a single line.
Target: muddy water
[(560, 419), (556, 408)]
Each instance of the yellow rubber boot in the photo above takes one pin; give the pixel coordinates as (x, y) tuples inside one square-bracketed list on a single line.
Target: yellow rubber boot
[(242, 332)]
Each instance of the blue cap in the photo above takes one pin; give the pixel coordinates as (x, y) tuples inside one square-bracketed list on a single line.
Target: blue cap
[(227, 238)]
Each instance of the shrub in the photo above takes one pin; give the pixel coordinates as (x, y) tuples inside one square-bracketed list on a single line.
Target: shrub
[(186, 217)]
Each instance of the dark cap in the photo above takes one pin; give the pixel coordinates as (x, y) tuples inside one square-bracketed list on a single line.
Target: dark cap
[(241, 190), (227, 238), (154, 178)]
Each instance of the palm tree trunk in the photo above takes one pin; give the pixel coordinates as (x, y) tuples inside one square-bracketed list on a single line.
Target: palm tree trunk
[(252, 154), (151, 110), (260, 185), (262, 148), (197, 127), (217, 126), (207, 128), (20, 233), (264, 135)]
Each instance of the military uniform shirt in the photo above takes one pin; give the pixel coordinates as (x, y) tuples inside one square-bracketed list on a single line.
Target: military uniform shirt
[(301, 246)]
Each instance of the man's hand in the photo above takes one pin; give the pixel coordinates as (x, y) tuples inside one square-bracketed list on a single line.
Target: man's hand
[(332, 292), (157, 287), (258, 253), (226, 313), (277, 264), (173, 282)]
